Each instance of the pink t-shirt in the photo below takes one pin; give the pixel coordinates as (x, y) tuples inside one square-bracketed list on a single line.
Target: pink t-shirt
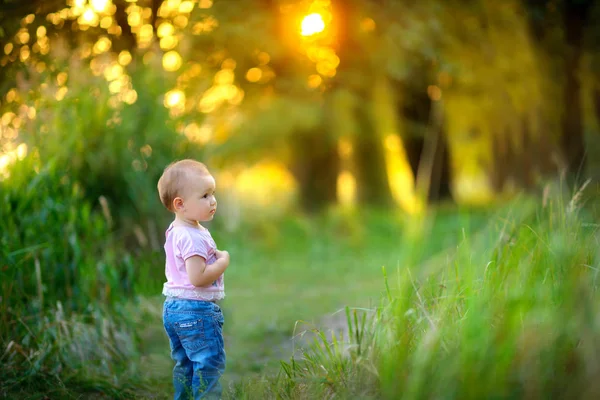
[(183, 242)]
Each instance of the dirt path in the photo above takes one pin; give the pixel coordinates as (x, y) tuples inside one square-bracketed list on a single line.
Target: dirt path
[(157, 364)]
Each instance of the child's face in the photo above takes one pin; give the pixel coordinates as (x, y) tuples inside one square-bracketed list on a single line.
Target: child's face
[(199, 202)]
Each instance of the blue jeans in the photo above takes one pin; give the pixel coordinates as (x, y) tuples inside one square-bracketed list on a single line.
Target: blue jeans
[(195, 330)]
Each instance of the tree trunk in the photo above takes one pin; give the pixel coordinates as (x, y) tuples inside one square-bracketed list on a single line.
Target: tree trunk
[(574, 16), (499, 163), (372, 182), (432, 176), (315, 166), (154, 6), (572, 140), (426, 146), (597, 105), (413, 147), (439, 180), (127, 41)]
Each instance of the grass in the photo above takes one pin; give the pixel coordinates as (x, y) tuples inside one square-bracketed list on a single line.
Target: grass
[(299, 269), (489, 303), (513, 312)]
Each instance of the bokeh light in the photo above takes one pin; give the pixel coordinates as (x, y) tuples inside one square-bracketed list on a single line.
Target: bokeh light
[(171, 61), (312, 24)]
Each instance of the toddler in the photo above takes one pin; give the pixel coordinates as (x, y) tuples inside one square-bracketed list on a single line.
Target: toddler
[(194, 271)]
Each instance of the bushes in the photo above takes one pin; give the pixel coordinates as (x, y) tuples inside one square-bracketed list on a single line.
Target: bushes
[(111, 148), (62, 275), (74, 215), (54, 243)]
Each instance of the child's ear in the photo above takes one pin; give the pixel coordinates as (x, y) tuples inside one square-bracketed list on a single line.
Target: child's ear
[(177, 203)]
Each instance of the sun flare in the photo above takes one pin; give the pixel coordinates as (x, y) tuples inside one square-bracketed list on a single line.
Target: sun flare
[(312, 24)]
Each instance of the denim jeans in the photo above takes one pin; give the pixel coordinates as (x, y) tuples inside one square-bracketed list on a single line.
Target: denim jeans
[(195, 330)]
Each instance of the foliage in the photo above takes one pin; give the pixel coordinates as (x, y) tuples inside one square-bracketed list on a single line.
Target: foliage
[(61, 273), (108, 147), (54, 246), (513, 313), (70, 222), (230, 73)]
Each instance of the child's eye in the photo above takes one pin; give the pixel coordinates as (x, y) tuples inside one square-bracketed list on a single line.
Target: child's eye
[(205, 196)]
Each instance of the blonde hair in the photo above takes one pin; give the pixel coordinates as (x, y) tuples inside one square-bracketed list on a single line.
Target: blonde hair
[(172, 182)]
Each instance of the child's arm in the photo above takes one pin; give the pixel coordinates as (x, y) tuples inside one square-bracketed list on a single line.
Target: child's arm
[(201, 274)]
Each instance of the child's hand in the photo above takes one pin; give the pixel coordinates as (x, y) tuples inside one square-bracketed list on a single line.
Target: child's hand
[(222, 254)]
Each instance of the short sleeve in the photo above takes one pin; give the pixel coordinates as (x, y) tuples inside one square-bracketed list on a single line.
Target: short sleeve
[(191, 246)]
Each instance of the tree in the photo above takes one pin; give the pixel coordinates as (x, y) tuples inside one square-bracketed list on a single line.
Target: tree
[(572, 17)]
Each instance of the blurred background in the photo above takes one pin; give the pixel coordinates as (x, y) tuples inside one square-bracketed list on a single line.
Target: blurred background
[(328, 124)]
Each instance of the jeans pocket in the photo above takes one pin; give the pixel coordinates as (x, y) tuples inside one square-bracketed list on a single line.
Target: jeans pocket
[(219, 317), (191, 333), (219, 320)]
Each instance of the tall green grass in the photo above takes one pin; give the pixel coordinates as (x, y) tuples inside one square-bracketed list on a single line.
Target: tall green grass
[(78, 220), (62, 278), (513, 312)]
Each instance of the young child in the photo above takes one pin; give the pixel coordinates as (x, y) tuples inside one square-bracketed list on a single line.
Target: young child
[(194, 270)]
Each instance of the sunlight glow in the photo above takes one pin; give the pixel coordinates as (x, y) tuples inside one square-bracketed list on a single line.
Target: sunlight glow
[(145, 35), (254, 74), (314, 81), (102, 45), (61, 78), (106, 22), (134, 19), (24, 53), (265, 184), (23, 36), (113, 72), (208, 24), (312, 24), (130, 96), (41, 31), (400, 175), (174, 98), (7, 117), (173, 4), (181, 21), (10, 157), (100, 5), (165, 29), (29, 19), (199, 134), (224, 77), (124, 58), (205, 4), (115, 86), (168, 42), (186, 7), (89, 16), (171, 61), (61, 92), (346, 188)]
